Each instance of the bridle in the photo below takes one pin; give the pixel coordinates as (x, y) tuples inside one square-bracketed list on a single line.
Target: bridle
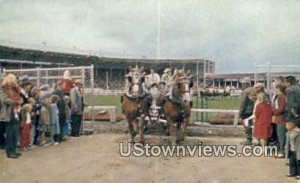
[(136, 83), (183, 84)]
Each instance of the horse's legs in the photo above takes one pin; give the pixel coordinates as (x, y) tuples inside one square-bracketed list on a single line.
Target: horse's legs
[(141, 130), (131, 129), (172, 131), (183, 129)]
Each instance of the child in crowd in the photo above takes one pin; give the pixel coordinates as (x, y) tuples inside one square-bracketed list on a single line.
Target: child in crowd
[(53, 112), (25, 126), (44, 122), (292, 148), (263, 119), (32, 102), (68, 114), (36, 94)]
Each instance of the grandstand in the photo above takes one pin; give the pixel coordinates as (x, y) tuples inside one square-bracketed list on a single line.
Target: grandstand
[(106, 69), (109, 72)]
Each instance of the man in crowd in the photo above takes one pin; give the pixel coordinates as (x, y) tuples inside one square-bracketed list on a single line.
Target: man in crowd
[(292, 111), (279, 80), (77, 106), (246, 108), (25, 88), (61, 108), (11, 100)]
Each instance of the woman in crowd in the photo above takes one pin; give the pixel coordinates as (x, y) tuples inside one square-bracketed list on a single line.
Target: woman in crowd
[(278, 108), (263, 118), (9, 114)]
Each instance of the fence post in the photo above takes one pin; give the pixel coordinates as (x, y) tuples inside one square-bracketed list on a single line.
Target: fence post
[(236, 119), (47, 77), (83, 80), (204, 73), (268, 77), (202, 107), (92, 93), (92, 79), (38, 76), (206, 107)]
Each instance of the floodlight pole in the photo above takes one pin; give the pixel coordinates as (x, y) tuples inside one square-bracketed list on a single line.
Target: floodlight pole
[(107, 87), (158, 30)]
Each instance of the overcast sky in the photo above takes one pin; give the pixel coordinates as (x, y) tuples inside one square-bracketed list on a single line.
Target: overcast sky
[(233, 33)]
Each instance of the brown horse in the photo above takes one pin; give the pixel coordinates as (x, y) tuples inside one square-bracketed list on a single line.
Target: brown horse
[(177, 109), (135, 104)]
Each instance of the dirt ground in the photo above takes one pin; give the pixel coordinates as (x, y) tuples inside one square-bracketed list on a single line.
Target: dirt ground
[(96, 158)]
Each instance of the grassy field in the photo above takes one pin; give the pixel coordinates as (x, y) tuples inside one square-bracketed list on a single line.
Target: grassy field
[(215, 103), (218, 103)]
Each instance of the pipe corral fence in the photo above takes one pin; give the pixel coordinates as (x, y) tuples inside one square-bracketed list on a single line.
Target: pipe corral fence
[(268, 72), (40, 76)]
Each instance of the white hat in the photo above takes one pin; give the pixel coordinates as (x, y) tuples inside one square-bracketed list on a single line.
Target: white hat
[(246, 80), (167, 70)]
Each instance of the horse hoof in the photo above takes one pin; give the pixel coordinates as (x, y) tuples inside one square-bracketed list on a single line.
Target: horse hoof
[(179, 142)]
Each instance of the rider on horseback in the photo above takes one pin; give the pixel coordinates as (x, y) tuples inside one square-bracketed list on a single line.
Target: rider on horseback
[(152, 82), (166, 78), (152, 79)]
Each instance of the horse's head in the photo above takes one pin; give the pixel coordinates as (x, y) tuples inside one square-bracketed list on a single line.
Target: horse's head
[(136, 78), (183, 84)]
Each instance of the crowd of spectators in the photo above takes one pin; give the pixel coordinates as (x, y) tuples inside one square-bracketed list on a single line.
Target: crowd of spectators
[(32, 116), (274, 120)]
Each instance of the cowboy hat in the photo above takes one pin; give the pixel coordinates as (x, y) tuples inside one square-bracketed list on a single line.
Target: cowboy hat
[(246, 80), (78, 81), (259, 85), (24, 80)]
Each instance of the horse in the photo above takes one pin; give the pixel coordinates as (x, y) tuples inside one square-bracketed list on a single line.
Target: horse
[(135, 104), (177, 109)]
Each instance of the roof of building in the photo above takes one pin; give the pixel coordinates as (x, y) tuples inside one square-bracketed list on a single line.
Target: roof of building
[(39, 56)]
